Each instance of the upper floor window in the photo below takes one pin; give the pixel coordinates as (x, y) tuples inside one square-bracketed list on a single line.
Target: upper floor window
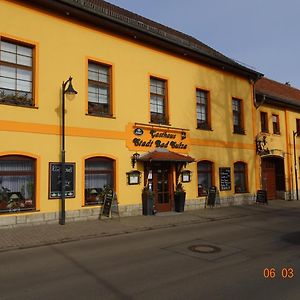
[(16, 73), (240, 177), (203, 120), (99, 89), (158, 101), (205, 177), (275, 121), (264, 121), (237, 116), (298, 127)]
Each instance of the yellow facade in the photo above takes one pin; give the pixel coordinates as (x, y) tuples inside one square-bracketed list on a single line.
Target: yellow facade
[(281, 145), (63, 47)]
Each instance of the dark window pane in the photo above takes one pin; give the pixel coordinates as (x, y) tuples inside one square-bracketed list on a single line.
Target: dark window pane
[(204, 177), (240, 177)]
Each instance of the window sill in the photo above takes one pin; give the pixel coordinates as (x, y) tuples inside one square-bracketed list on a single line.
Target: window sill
[(92, 205), (205, 129), (18, 105), (277, 133), (101, 116), (159, 124), (19, 212)]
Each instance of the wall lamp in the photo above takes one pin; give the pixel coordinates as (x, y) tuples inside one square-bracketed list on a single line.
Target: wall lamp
[(134, 159), (66, 89)]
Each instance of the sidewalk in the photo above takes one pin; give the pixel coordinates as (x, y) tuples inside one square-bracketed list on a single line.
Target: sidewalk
[(39, 235)]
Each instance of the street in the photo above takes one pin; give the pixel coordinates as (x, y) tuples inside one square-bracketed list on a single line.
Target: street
[(252, 257)]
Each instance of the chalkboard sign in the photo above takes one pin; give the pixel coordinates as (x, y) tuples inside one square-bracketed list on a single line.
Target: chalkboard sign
[(261, 196), (55, 180), (108, 198), (211, 197), (225, 179)]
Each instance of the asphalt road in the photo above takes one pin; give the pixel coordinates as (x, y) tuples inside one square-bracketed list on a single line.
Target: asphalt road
[(226, 259)]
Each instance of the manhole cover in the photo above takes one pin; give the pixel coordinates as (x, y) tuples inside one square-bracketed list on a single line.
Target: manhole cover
[(204, 249)]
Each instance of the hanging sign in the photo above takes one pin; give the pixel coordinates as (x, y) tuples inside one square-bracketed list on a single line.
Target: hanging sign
[(142, 137)]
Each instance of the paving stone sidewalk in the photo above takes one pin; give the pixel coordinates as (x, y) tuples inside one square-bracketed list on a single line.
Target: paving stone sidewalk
[(39, 235)]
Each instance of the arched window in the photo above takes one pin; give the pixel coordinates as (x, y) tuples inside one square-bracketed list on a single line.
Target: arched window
[(17, 183), (205, 177), (99, 173), (240, 177)]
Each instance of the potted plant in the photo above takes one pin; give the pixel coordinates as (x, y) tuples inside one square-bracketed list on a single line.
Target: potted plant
[(4, 198), (179, 198), (148, 201)]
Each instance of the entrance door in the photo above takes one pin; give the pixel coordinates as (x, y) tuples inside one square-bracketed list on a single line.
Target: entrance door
[(269, 178), (162, 187)]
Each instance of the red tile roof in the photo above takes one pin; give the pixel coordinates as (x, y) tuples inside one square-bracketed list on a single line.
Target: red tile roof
[(165, 155), (276, 89), (125, 21)]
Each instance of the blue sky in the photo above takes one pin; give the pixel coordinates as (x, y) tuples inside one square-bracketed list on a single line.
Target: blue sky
[(261, 34)]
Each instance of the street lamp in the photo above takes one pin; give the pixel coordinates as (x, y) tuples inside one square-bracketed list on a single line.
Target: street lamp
[(66, 90), (295, 133)]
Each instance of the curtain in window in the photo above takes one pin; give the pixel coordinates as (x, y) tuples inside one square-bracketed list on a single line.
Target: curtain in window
[(17, 184), (240, 184), (99, 172), (204, 177)]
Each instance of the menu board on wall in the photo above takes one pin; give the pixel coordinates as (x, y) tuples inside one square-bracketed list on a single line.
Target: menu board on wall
[(225, 179), (55, 180)]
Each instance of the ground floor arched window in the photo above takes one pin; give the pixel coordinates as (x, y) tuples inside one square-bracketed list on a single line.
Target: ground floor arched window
[(240, 177), (17, 183), (205, 176), (99, 173)]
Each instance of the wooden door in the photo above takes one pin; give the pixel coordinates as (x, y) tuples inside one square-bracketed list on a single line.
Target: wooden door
[(162, 188), (269, 178)]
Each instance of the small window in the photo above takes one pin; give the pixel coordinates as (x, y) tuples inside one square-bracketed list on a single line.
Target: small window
[(275, 121), (203, 118), (158, 101), (237, 116), (99, 173), (205, 177), (17, 184), (16, 73), (99, 89), (240, 177), (264, 122)]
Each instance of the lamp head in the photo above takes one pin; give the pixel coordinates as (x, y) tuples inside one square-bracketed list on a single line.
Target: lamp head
[(70, 90)]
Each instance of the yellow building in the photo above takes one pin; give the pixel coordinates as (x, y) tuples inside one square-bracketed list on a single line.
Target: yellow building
[(278, 123), (154, 107)]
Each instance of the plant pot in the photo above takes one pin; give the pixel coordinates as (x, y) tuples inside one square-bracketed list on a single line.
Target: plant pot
[(148, 203), (179, 199)]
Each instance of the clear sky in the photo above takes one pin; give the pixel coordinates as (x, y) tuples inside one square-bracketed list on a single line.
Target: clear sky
[(262, 34)]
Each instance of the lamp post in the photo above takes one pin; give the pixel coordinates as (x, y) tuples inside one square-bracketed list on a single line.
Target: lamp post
[(66, 90), (295, 163)]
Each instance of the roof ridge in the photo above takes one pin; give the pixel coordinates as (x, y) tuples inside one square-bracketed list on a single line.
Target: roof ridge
[(127, 18)]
